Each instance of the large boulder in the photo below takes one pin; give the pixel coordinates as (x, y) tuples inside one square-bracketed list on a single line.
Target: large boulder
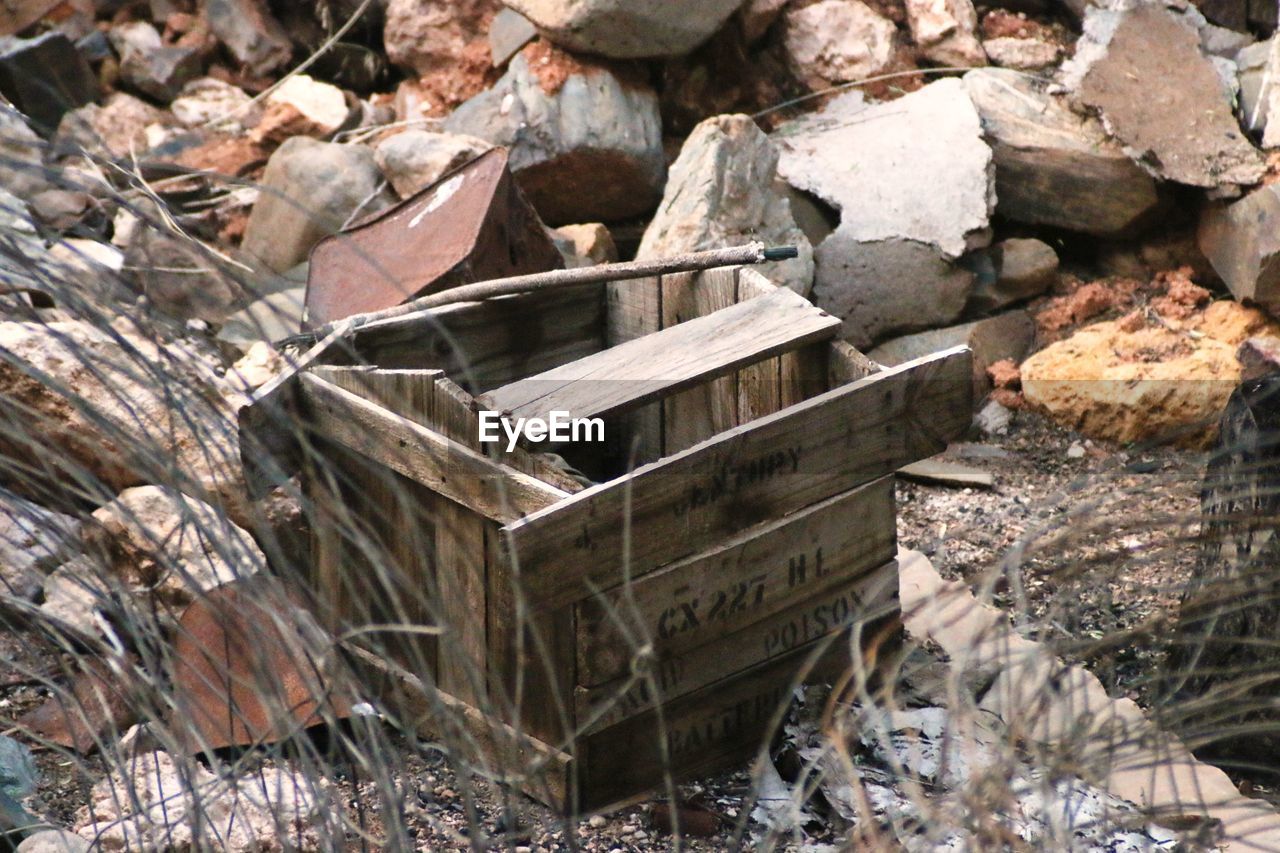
[(627, 29), (1053, 166), (912, 182), (310, 190), (722, 191), (1189, 133), (1134, 380), (91, 412), (585, 137)]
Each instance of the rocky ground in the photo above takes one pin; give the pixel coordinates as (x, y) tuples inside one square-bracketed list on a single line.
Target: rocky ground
[(1082, 191)]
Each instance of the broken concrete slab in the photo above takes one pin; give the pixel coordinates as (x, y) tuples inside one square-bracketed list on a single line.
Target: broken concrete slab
[(627, 29), (912, 182), (837, 41), (1053, 166), (1189, 134), (882, 167), (598, 154), (415, 159), (722, 191), (945, 31), (309, 190), (1241, 239)]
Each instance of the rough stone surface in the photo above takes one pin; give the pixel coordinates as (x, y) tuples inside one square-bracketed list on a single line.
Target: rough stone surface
[(31, 539), (1022, 267), (1054, 167), (250, 32), (302, 106), (509, 32), (722, 191), (912, 181), (309, 190), (597, 154), (181, 277), (1241, 239), (154, 803), (585, 245), (757, 16), (1259, 81), (944, 30), (103, 414), (1021, 54), (207, 99), (1188, 134), (1008, 335), (418, 158), (44, 77), (1127, 381), (627, 29), (120, 125), (837, 41), (446, 42), (53, 841), (21, 156), (883, 287), (150, 66)]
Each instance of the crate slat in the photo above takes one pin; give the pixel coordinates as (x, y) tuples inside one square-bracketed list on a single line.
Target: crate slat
[(764, 469), (626, 376), (750, 577)]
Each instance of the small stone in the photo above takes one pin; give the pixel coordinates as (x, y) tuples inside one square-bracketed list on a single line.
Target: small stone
[(944, 30), (45, 77), (302, 106), (415, 159), (208, 99), (1076, 450), (1021, 54), (585, 245), (1023, 268), (993, 418), (148, 65), (250, 32), (597, 821), (53, 841), (310, 190), (837, 41), (627, 29)]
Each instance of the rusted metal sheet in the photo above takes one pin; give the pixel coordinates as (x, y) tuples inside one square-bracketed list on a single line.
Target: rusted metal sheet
[(251, 666), (471, 225), (97, 708)]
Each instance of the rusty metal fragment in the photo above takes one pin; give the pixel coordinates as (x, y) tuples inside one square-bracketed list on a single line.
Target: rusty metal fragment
[(251, 666), (98, 706), (471, 225)]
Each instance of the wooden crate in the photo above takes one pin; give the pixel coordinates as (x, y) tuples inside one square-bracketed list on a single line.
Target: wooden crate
[(653, 625)]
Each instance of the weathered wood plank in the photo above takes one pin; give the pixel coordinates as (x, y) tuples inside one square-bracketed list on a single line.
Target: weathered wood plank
[(861, 600), (846, 364), (482, 345), (657, 365), (635, 310), (757, 574), (710, 407), (761, 470), (493, 490), (718, 726)]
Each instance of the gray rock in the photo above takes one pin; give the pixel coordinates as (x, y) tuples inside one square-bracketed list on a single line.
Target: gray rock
[(45, 77), (585, 148), (993, 418), (722, 191), (120, 126), (31, 541), (309, 190), (22, 169), (883, 287), (509, 32), (1120, 53), (150, 66), (1022, 269), (208, 99), (1220, 41), (1053, 166), (54, 841), (1241, 239), (627, 29), (418, 158), (1008, 335), (912, 181), (249, 31), (1259, 81), (181, 276)]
